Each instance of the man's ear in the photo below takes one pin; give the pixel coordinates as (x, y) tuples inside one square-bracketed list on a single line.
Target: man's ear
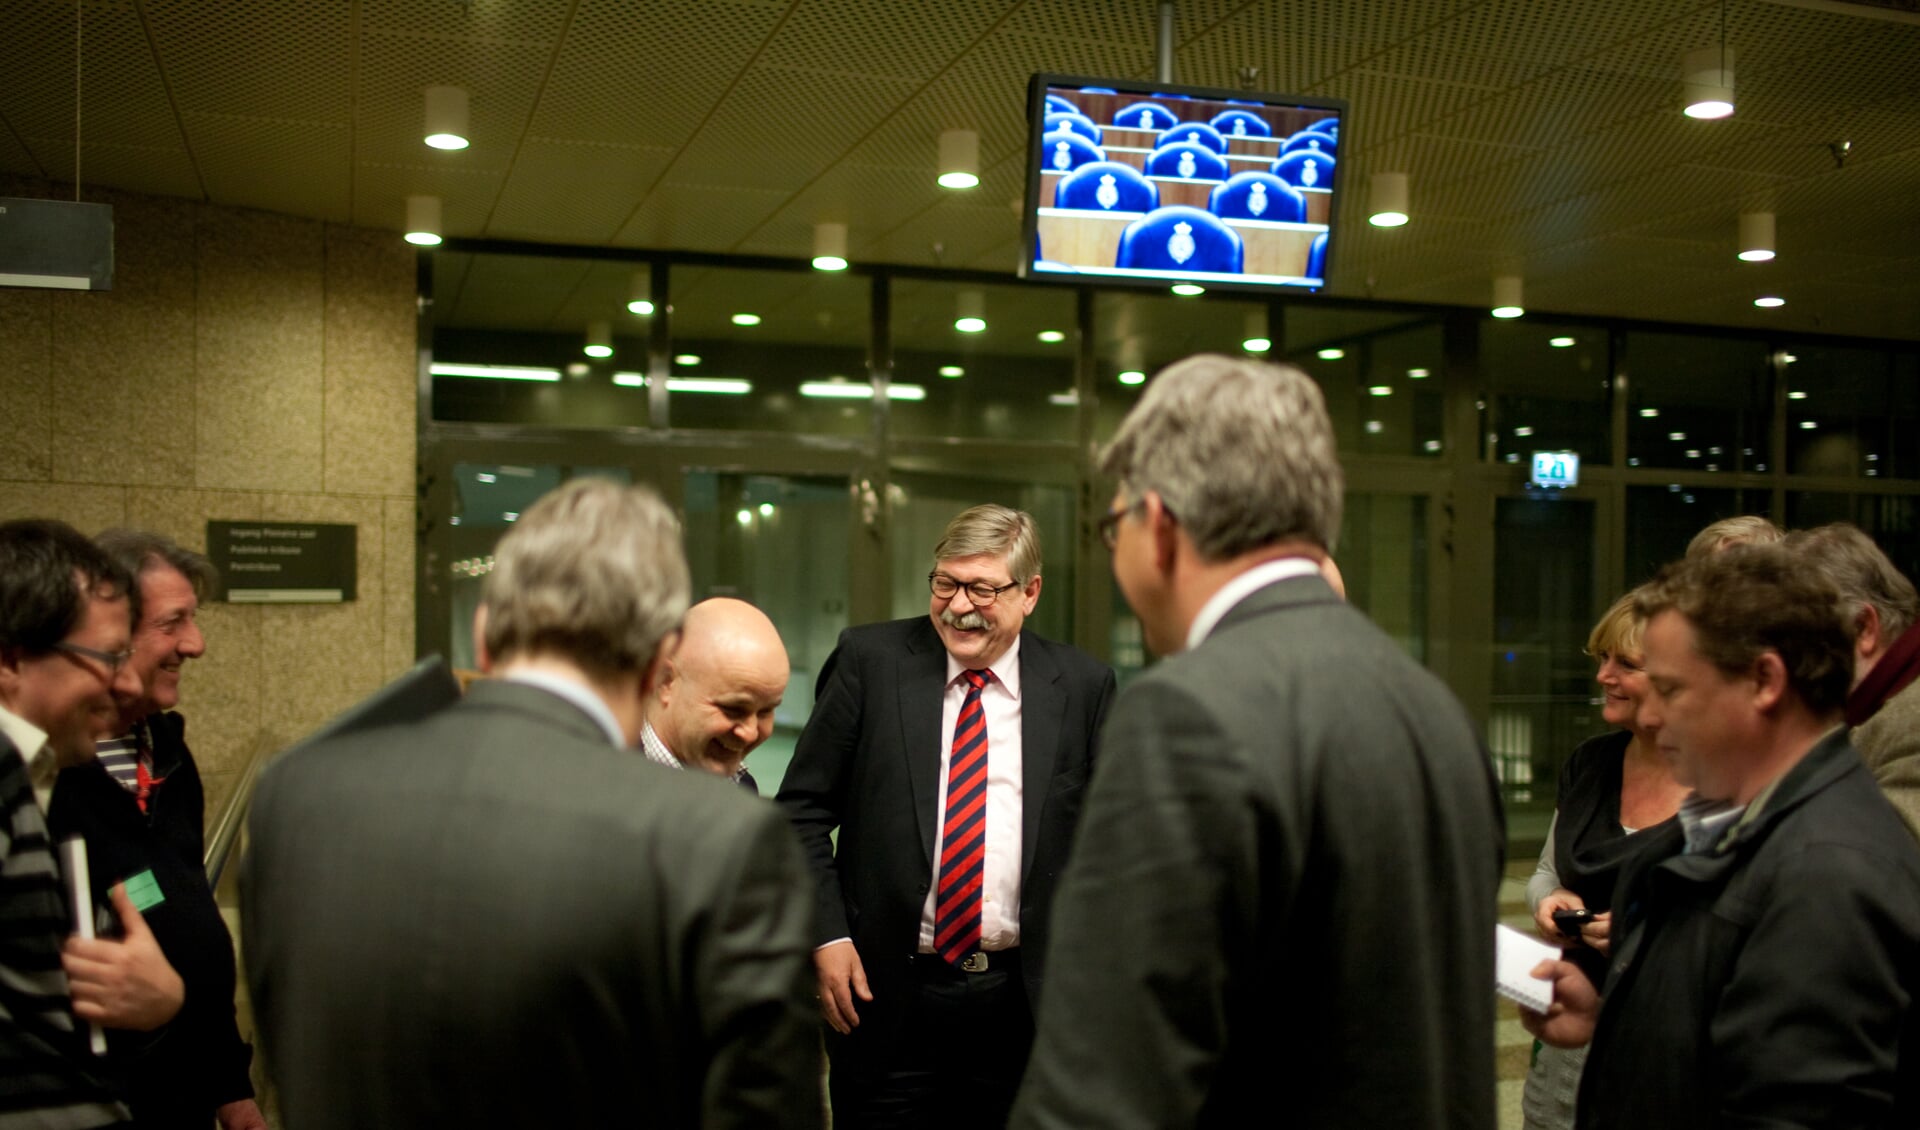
[(1867, 634), (1163, 528), (481, 657), (1769, 673), (659, 673)]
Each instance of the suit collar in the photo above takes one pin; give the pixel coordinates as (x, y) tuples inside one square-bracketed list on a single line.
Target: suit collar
[(538, 701), (1278, 596), (1247, 582)]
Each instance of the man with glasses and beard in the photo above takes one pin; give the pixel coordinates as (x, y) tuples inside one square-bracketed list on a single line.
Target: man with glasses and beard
[(951, 753)]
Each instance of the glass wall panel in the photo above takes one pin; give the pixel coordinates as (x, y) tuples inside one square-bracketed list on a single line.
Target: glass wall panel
[(1138, 333), (780, 543), (1380, 372), (1892, 520), (775, 351), (1661, 520), (1012, 378), (1547, 389), (1851, 411), (1698, 402), (1383, 559)]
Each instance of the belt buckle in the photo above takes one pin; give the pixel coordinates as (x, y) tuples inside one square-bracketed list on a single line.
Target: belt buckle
[(975, 962)]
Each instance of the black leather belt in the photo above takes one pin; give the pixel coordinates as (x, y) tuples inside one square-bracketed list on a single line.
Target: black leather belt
[(979, 961)]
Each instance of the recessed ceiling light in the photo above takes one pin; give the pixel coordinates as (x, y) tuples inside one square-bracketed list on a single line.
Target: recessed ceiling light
[(1257, 344), (1432, 445), (1188, 290), (1418, 374), (1560, 342), (746, 319), (1331, 354), (952, 371), (1796, 394), (1649, 413), (686, 358), (1523, 431), (1052, 337), (1133, 377), (1381, 390), (1769, 301), (1808, 425), (1677, 437), (1375, 427)]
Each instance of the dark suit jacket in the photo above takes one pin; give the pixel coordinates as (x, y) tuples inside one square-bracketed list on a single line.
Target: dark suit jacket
[(1284, 890), (869, 763), (493, 918)]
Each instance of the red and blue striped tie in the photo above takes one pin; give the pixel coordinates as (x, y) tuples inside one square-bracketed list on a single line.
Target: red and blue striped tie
[(956, 915)]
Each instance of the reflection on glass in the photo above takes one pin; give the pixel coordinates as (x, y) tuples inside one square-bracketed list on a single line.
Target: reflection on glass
[(1713, 394), (1544, 397), (1542, 704), (781, 351), (1662, 520), (778, 542), (1378, 371), (1383, 559), (1892, 520), (1145, 332), (1851, 411), (1012, 379)]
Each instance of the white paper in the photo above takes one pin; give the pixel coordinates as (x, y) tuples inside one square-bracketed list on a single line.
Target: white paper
[(73, 864), (1514, 956)]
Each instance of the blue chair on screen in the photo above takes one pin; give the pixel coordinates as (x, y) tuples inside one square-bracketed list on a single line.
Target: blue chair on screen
[(1258, 196), (1239, 123), (1106, 186), (1305, 168), (1097, 90), (1188, 161), (1063, 151), (1200, 133), (1059, 105), (1311, 139), (1077, 122), (1180, 238), (1317, 257), (1326, 125), (1146, 115)]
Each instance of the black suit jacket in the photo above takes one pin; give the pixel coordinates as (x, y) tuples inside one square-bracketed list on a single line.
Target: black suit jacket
[(868, 763), (492, 917), (1284, 887)]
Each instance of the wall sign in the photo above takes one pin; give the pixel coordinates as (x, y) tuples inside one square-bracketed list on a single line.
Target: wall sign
[(284, 562), (1555, 469)]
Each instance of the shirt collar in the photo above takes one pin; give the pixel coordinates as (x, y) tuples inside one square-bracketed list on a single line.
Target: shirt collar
[(578, 695), (1704, 820), (1242, 587), (658, 753), (31, 741), (1005, 670)]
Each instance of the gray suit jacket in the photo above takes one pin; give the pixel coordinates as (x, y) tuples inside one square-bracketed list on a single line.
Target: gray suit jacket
[(1283, 892), (493, 918)]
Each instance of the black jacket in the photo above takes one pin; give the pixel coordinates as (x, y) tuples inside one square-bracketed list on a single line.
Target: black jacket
[(1770, 980), (197, 1062)]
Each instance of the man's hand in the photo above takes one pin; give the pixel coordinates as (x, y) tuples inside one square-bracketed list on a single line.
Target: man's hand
[(125, 984), (1568, 1021), (842, 977), (1597, 932), (1560, 899), (241, 1114)]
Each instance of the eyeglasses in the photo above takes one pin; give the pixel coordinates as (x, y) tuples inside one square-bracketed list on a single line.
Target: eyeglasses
[(111, 660), (1109, 525), (979, 592)]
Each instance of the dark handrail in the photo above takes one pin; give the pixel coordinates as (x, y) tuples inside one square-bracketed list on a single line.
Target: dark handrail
[(233, 817)]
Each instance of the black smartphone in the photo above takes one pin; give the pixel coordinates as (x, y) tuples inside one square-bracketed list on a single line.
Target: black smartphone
[(1568, 922)]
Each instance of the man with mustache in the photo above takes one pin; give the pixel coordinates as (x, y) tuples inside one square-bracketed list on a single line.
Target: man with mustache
[(140, 806), (715, 701), (951, 753)]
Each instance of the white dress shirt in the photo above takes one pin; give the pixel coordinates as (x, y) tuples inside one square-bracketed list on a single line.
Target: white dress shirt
[(595, 706), (1000, 880), (1243, 586), (42, 767)]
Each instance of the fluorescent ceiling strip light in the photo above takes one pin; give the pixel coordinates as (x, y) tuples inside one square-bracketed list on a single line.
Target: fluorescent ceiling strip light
[(721, 386), (494, 372), (859, 390)]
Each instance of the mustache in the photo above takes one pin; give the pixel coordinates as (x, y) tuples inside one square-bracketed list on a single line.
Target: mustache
[(972, 619)]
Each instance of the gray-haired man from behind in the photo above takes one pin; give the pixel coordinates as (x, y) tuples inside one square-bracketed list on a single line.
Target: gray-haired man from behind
[(1283, 891), (499, 916)]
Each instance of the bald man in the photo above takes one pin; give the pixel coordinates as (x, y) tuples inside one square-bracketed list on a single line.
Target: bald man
[(715, 702)]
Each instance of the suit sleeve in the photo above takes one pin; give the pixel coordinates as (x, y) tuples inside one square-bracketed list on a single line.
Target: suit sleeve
[(1821, 975), (755, 977), (1158, 896), (814, 792)]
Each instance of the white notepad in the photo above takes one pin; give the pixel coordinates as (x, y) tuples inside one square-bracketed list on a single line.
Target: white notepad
[(1514, 956)]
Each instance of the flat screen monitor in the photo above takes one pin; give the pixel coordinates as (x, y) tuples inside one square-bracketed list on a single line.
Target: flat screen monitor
[(1133, 182)]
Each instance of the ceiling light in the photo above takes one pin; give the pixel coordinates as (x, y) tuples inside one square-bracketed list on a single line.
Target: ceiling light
[(1649, 413), (1432, 445), (840, 388), (1052, 337), (744, 517), (630, 380), (746, 319), (1389, 200), (578, 368), (959, 158), (1523, 431), (830, 247), (493, 372), (951, 371), (1331, 353), (1188, 290), (1756, 237), (1419, 374), (719, 386), (1808, 425), (599, 340), (1067, 399), (1133, 377), (447, 117), (1506, 297), (1256, 339), (1707, 75), (640, 293), (1693, 453), (1560, 342), (1677, 437), (1380, 390), (1769, 301), (970, 312), (687, 359), (423, 221), (1375, 427), (1796, 394), (1787, 358), (766, 510)]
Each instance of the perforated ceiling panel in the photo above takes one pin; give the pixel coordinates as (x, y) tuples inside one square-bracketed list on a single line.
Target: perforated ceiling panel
[(1540, 138)]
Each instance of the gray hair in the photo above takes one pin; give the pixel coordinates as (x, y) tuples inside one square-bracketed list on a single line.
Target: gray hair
[(1240, 451), (1746, 529), (997, 531), (142, 551), (1846, 558), (593, 572)]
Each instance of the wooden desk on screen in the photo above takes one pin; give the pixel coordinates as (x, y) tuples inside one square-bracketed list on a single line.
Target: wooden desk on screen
[(1178, 190), (1092, 239)]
